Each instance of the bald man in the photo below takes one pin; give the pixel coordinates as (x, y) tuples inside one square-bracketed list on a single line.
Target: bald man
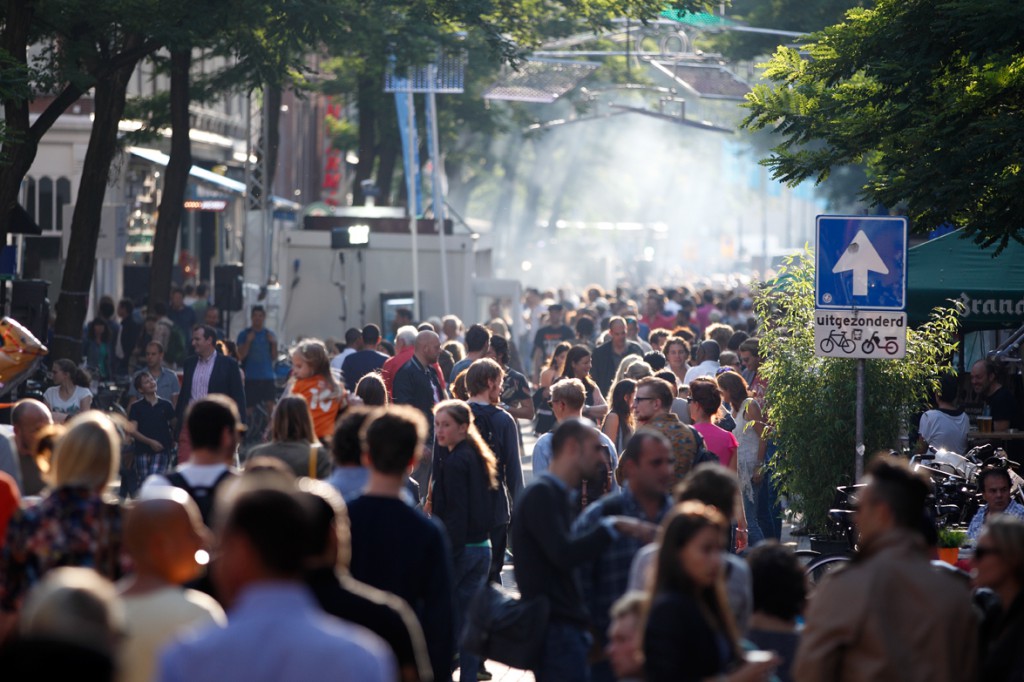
[(405, 347), (17, 454), (417, 384), (166, 539)]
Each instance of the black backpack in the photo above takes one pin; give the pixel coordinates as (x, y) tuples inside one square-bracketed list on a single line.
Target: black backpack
[(205, 496), (482, 421)]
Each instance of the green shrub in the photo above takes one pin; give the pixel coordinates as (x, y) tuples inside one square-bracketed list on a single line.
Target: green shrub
[(811, 400)]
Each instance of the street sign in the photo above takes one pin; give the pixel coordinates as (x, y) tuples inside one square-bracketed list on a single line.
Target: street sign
[(861, 262), (874, 334)]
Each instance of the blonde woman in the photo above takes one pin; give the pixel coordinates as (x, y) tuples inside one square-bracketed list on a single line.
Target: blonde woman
[(74, 525)]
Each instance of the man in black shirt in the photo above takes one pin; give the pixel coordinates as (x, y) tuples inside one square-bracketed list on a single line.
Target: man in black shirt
[(549, 336), (608, 355), (547, 554), (395, 547), (999, 402), (339, 594)]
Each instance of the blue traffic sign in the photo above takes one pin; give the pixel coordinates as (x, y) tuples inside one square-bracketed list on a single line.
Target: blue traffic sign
[(861, 262)]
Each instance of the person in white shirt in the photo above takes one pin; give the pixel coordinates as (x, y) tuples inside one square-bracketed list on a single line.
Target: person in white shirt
[(213, 430), (353, 342), (708, 353), (69, 396), (945, 428)]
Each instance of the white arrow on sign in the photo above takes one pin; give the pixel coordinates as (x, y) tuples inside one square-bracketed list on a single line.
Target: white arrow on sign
[(860, 257)]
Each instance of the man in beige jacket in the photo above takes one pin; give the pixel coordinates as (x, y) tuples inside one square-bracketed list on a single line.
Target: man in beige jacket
[(890, 615)]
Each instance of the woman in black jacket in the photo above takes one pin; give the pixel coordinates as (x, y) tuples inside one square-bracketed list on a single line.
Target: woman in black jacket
[(465, 479), (999, 566), (690, 634)]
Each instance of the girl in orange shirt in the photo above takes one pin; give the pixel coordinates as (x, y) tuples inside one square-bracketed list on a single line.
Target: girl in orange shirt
[(313, 379)]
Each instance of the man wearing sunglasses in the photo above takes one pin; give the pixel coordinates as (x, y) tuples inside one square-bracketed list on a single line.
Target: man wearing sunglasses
[(890, 615), (652, 409)]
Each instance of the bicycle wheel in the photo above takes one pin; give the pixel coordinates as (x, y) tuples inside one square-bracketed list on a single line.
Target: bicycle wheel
[(818, 569), (848, 345), (806, 557), (255, 431), (827, 345)]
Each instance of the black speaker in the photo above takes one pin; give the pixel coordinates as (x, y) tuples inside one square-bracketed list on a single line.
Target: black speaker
[(227, 286), (30, 305), (136, 283)]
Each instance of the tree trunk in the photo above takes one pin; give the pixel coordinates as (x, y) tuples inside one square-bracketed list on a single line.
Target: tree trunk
[(502, 221), (272, 135), (541, 169), (165, 241), (21, 139), (389, 150), (72, 304), (19, 148), (367, 97)]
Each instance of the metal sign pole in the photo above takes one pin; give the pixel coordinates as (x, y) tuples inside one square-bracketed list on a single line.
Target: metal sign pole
[(445, 77), (435, 181), (410, 183), (859, 429)]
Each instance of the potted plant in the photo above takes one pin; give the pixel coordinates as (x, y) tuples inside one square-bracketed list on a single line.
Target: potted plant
[(950, 541)]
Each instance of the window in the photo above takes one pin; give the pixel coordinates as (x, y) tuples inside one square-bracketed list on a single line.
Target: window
[(29, 202), (63, 199), (46, 204)]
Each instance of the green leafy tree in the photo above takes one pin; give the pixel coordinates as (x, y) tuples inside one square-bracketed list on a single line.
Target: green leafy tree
[(495, 32), (811, 400), (82, 44), (268, 40), (782, 15), (930, 96)]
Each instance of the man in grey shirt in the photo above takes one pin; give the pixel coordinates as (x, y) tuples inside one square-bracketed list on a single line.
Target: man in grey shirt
[(167, 385)]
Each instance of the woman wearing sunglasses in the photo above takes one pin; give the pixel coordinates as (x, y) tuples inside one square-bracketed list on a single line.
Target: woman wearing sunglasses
[(999, 566)]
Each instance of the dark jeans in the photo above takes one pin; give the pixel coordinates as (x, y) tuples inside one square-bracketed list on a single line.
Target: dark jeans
[(769, 516), (565, 654), (470, 576), (499, 540)]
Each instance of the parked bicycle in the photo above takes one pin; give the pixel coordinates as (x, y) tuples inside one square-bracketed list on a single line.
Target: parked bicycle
[(838, 544)]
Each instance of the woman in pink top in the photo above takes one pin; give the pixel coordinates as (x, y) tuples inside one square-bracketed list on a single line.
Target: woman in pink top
[(705, 401)]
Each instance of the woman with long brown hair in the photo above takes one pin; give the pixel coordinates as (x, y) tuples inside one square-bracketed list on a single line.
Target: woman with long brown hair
[(293, 439), (619, 423), (690, 634), (465, 479), (545, 420), (578, 362)]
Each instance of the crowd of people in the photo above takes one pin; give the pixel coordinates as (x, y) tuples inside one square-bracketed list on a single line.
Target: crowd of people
[(355, 538)]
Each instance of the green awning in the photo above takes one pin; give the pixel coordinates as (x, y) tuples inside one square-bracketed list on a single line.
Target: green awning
[(991, 288), (698, 19)]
